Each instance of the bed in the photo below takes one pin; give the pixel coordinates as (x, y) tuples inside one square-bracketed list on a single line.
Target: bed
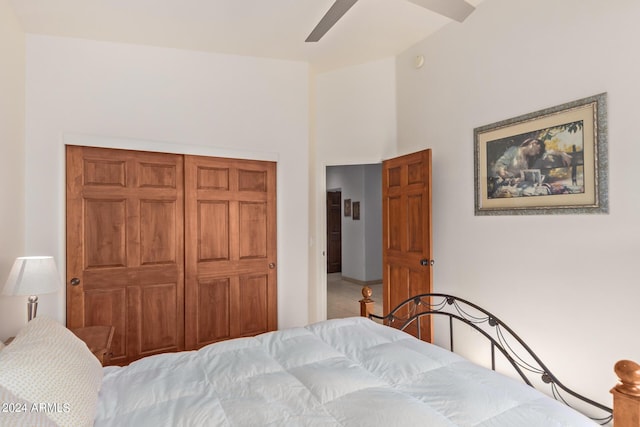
[(345, 372)]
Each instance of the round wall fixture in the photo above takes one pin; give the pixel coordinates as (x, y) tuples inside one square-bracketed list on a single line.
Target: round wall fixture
[(418, 61)]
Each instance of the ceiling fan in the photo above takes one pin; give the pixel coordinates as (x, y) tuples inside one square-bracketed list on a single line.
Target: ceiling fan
[(454, 9)]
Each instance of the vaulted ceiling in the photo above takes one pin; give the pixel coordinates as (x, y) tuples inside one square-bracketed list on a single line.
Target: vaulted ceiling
[(370, 30)]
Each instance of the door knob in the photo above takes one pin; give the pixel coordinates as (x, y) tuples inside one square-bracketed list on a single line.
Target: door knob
[(75, 281), (425, 262), (272, 265)]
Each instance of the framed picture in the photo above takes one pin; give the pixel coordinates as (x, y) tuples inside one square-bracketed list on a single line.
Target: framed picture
[(552, 161), (347, 207), (356, 210)]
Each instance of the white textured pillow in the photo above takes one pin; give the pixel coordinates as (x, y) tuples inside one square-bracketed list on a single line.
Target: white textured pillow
[(48, 366), (17, 412)]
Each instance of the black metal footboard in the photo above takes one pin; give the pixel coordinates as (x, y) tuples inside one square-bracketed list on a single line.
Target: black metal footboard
[(409, 315)]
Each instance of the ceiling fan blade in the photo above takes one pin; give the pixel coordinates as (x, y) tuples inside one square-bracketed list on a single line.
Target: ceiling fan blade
[(455, 9), (339, 8)]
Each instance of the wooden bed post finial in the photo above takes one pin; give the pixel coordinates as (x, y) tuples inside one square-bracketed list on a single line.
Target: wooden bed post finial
[(366, 303), (626, 394)]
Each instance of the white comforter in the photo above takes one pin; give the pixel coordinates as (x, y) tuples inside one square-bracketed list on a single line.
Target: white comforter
[(346, 372)]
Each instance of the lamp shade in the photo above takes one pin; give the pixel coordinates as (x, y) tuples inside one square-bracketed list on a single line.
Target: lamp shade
[(32, 275)]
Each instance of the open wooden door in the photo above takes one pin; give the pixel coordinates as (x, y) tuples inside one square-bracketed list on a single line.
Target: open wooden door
[(125, 262), (406, 226)]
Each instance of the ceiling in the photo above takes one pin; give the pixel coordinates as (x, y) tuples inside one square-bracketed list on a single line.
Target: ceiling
[(370, 30)]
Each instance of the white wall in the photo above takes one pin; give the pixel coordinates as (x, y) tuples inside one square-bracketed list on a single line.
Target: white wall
[(12, 86), (372, 214), (355, 123), (567, 283), (188, 101)]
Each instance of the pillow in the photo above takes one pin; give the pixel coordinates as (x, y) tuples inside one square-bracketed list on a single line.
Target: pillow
[(17, 412), (48, 366)]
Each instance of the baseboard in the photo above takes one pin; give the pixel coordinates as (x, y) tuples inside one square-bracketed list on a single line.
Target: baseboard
[(361, 282)]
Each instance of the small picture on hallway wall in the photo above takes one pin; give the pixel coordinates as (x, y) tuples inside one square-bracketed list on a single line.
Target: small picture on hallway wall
[(548, 162), (347, 207), (356, 210)]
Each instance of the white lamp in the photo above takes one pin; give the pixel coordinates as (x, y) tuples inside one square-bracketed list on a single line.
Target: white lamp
[(32, 275)]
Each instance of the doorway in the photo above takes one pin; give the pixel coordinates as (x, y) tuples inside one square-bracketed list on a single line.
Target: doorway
[(360, 190), (334, 232)]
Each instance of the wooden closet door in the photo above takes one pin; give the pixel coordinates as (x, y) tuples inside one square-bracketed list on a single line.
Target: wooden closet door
[(230, 249), (125, 257)]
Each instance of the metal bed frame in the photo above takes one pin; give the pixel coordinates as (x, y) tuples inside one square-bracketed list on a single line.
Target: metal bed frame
[(409, 315)]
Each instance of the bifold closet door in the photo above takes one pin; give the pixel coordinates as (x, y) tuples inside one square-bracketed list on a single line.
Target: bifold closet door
[(125, 253), (230, 249)]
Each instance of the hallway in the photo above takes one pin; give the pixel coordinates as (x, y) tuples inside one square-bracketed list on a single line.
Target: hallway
[(343, 297)]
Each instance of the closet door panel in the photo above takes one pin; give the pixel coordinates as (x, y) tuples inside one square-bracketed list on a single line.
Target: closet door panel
[(105, 233), (253, 291), (111, 310), (125, 253), (230, 238), (213, 230), (158, 330), (253, 230), (214, 322)]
